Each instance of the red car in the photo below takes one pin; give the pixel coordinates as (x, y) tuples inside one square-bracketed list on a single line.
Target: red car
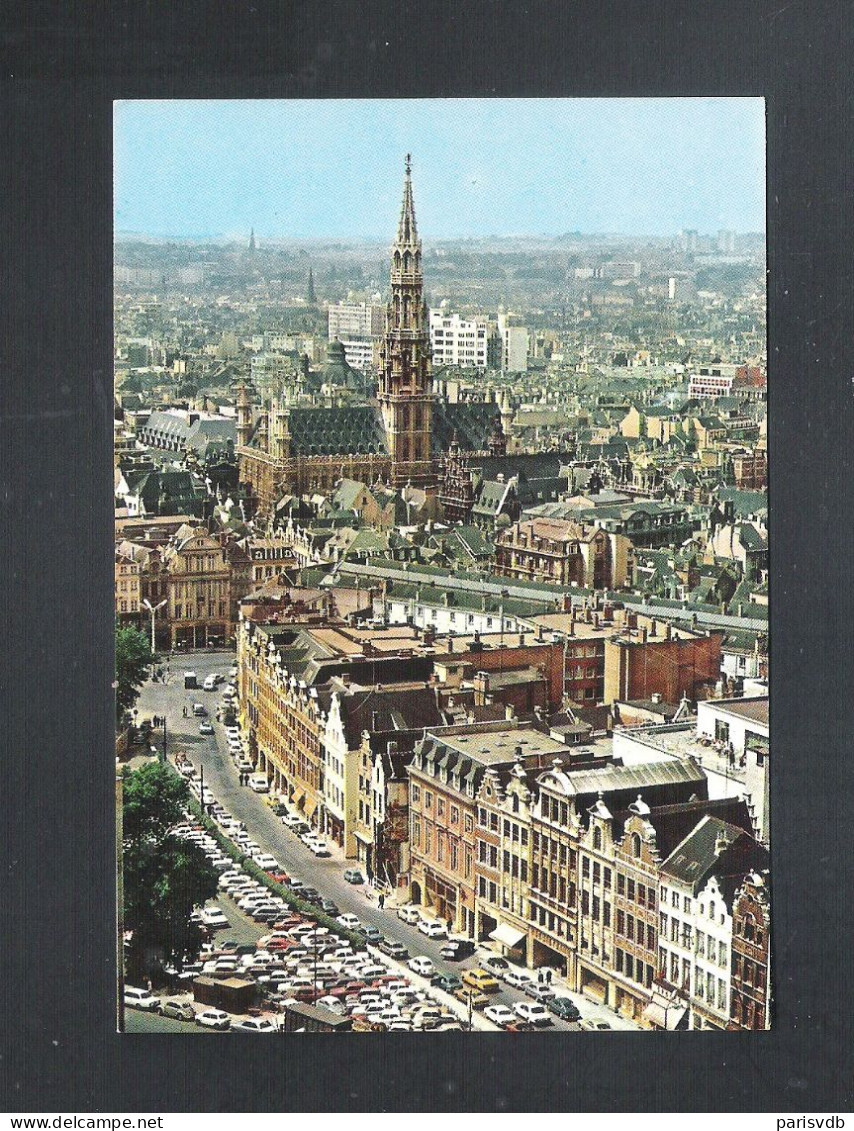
[(280, 877)]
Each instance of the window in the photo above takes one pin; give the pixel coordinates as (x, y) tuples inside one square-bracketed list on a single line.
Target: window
[(469, 823), (440, 807), (415, 793), (621, 884), (428, 799), (455, 815), (597, 842)]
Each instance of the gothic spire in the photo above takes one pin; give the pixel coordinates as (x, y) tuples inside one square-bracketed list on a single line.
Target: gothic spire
[(407, 233)]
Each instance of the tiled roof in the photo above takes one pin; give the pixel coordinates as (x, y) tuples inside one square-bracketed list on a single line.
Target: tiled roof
[(471, 421), (337, 431)]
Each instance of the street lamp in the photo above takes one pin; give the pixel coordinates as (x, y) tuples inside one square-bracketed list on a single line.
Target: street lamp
[(153, 610)]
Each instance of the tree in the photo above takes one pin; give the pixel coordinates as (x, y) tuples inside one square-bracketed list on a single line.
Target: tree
[(133, 659), (164, 877)]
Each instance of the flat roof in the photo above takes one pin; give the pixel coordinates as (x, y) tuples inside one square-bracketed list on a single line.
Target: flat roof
[(494, 747)]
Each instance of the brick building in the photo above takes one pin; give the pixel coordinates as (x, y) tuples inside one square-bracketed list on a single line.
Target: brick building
[(564, 553), (750, 995)]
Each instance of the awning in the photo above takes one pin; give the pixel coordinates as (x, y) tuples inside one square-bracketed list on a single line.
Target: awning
[(298, 796), (664, 1015), (507, 936), (310, 806)]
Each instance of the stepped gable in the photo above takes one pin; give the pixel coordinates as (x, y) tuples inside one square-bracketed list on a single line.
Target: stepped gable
[(336, 431)]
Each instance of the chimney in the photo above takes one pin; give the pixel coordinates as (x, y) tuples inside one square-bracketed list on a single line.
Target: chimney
[(517, 754), (693, 620), (721, 842), (509, 712), (521, 639), (450, 643), (667, 631), (392, 748), (595, 620), (656, 697), (540, 637), (643, 636), (653, 628)]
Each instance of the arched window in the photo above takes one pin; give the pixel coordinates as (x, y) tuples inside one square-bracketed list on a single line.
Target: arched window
[(407, 263), (635, 845)]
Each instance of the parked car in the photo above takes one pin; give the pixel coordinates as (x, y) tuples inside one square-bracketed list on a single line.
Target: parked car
[(320, 848), (141, 999), (178, 1010), (455, 950), (199, 710), (496, 964), (330, 907), (393, 948), (205, 728), (370, 933), (432, 928), (254, 1025), (500, 1015), (214, 917), (213, 1019), (353, 876), (259, 783), (422, 965), (518, 978), (469, 996), (533, 1012), (540, 992), (481, 980), (564, 1008), (447, 982), (349, 921), (408, 914), (591, 1026)]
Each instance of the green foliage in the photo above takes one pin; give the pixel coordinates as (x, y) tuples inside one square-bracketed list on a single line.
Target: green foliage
[(133, 660), (310, 910), (164, 876)]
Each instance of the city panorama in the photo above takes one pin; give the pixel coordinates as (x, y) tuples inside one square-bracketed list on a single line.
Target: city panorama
[(441, 567)]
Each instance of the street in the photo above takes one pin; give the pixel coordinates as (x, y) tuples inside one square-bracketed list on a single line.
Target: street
[(210, 754)]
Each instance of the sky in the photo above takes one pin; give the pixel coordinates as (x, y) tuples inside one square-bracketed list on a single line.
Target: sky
[(333, 168)]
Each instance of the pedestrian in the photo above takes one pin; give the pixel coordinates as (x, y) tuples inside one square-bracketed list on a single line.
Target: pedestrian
[(148, 985), (381, 901), (549, 976), (541, 977), (185, 712)]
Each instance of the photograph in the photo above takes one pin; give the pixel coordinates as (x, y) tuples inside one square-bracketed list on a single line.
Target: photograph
[(440, 463)]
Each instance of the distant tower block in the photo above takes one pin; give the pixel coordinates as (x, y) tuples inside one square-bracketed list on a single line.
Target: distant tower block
[(310, 294)]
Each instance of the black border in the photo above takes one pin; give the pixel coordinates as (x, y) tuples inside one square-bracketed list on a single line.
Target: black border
[(61, 67)]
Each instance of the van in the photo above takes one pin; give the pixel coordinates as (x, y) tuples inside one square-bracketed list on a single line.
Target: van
[(191, 680)]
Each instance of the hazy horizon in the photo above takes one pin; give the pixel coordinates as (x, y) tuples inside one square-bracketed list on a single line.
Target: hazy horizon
[(330, 169)]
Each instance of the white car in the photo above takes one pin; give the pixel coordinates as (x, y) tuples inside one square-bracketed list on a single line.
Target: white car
[(320, 848), (349, 921), (141, 999), (266, 861), (213, 1019), (408, 914), (214, 917), (254, 1025), (532, 1011), (422, 965), (499, 1014), (259, 783), (518, 978), (432, 928)]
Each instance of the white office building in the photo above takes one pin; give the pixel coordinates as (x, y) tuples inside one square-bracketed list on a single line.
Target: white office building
[(458, 341)]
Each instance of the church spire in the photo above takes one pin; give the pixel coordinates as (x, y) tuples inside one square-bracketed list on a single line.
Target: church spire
[(405, 386), (407, 233), (252, 244)]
